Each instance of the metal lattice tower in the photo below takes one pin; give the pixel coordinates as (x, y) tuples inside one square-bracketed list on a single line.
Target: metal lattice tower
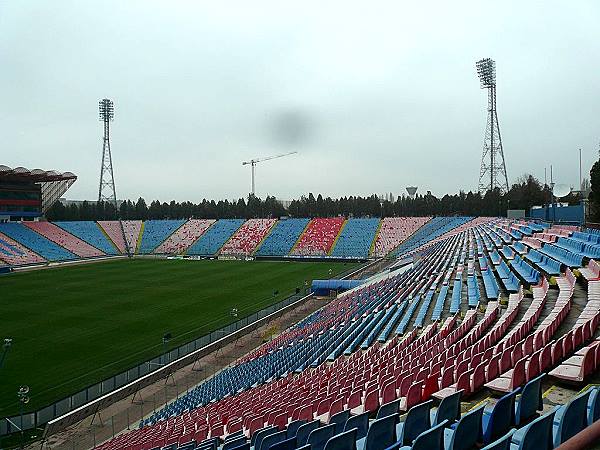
[(106, 191), (492, 174)]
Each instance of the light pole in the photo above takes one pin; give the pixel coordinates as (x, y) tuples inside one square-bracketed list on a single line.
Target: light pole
[(23, 400), (165, 340), (5, 348), (495, 168)]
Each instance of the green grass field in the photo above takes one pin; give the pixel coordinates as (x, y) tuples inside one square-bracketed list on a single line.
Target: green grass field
[(74, 326)]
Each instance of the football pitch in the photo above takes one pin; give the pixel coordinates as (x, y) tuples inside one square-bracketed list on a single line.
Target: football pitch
[(75, 326)]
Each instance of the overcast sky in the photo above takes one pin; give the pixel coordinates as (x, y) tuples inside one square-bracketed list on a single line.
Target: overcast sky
[(378, 95)]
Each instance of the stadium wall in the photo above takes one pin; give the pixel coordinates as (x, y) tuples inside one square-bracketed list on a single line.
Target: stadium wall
[(570, 214)]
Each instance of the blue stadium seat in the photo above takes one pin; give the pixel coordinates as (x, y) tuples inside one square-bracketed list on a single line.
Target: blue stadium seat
[(428, 440), (342, 441), (271, 439), (449, 409), (502, 443), (304, 431), (319, 437), (356, 238), (466, 432), (381, 434), (536, 435), (286, 444), (530, 401), (293, 426), (570, 418), (155, 232), (417, 421), (91, 233), (339, 420), (282, 237), (36, 242), (360, 422), (258, 436), (500, 418), (213, 239), (593, 406), (388, 409)]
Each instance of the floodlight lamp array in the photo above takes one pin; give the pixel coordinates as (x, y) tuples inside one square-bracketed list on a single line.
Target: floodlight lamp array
[(106, 109), (486, 70)]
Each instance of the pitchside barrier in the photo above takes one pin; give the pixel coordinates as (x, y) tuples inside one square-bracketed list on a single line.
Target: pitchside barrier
[(93, 399)]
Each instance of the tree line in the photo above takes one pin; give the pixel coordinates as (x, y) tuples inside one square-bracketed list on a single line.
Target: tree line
[(526, 192)]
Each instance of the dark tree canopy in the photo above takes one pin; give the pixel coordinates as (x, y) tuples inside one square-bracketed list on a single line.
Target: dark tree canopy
[(526, 192)]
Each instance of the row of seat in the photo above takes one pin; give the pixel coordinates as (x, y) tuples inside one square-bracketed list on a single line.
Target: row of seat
[(394, 230), (36, 242), (356, 238), (319, 237), (282, 237), (66, 240), (14, 254), (154, 232), (91, 233), (245, 240), (188, 233)]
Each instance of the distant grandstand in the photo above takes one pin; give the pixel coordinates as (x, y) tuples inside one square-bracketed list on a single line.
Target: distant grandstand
[(28, 193), (327, 238)]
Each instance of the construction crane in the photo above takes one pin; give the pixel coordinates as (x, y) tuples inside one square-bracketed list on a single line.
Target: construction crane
[(254, 162)]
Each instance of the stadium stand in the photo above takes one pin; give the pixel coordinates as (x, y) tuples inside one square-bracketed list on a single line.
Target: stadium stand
[(14, 254), (112, 230), (89, 232), (282, 237), (215, 237), (323, 380), (155, 232), (429, 232), (394, 230), (319, 237), (245, 240), (371, 352), (356, 238), (184, 236), (36, 242), (64, 239), (132, 230)]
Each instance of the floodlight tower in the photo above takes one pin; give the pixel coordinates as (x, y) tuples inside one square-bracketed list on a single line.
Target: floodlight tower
[(106, 191), (493, 168)]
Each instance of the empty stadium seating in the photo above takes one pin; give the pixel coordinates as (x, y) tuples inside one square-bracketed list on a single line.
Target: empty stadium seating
[(282, 237), (319, 236), (184, 236), (245, 240), (371, 353), (215, 237), (394, 230), (431, 330), (36, 242), (356, 238), (130, 231), (14, 254), (154, 232), (89, 232), (64, 239)]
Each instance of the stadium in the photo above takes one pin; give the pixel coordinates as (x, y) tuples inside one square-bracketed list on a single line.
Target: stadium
[(341, 321)]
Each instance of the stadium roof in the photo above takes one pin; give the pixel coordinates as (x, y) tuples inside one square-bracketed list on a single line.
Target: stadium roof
[(53, 184)]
